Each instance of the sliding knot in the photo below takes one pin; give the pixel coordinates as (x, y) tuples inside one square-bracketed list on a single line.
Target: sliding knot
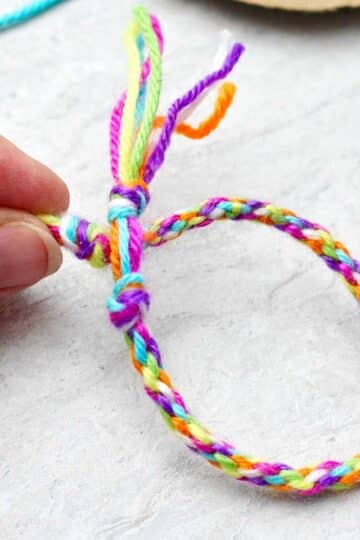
[(128, 201), (129, 301)]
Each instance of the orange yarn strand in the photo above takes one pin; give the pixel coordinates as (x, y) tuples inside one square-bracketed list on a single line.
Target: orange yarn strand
[(223, 101)]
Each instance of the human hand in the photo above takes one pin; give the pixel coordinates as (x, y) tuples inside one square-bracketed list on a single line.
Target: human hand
[(28, 252)]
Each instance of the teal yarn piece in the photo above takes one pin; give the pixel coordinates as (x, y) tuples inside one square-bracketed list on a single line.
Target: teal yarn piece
[(26, 12)]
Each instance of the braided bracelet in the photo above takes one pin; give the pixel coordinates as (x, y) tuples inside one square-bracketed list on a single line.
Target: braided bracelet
[(137, 151)]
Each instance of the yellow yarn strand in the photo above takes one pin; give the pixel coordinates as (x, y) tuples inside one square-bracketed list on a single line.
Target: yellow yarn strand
[(128, 122)]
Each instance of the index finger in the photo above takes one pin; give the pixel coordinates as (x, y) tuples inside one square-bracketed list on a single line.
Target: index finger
[(29, 185)]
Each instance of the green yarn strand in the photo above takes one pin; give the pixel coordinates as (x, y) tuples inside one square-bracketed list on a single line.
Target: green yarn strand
[(152, 100)]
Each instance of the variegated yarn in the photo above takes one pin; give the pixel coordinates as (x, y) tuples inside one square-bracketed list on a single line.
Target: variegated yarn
[(138, 142)]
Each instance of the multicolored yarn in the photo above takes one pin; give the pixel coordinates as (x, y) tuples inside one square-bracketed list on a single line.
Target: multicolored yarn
[(26, 12), (137, 151)]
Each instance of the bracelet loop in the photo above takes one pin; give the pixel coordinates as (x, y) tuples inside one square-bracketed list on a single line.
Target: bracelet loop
[(137, 152)]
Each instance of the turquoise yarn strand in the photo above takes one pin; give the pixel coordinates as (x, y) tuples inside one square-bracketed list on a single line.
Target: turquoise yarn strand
[(26, 12)]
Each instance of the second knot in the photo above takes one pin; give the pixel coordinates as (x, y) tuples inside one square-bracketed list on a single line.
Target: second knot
[(128, 302)]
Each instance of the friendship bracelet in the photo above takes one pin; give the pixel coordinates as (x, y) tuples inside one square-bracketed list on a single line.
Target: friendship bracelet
[(138, 143), (26, 12)]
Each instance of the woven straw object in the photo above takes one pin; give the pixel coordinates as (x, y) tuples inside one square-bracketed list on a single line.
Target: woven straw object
[(304, 5)]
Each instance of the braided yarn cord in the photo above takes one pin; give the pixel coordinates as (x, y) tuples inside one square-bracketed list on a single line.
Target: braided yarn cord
[(26, 12), (138, 143)]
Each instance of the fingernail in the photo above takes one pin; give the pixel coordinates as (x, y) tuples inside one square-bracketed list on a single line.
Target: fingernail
[(27, 254)]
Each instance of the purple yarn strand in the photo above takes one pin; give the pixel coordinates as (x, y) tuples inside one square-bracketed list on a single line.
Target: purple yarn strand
[(158, 154)]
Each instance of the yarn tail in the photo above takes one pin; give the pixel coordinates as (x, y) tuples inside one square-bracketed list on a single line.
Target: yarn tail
[(139, 137)]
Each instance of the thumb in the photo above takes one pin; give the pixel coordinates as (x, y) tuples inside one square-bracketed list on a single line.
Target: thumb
[(28, 252)]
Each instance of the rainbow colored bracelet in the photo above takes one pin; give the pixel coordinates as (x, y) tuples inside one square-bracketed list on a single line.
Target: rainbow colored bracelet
[(138, 143)]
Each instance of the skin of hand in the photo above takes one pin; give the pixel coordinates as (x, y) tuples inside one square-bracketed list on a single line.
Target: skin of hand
[(28, 253)]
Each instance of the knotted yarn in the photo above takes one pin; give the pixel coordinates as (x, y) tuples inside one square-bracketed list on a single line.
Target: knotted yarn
[(130, 299), (139, 139)]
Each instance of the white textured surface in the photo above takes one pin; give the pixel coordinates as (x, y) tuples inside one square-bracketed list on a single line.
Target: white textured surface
[(258, 335)]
